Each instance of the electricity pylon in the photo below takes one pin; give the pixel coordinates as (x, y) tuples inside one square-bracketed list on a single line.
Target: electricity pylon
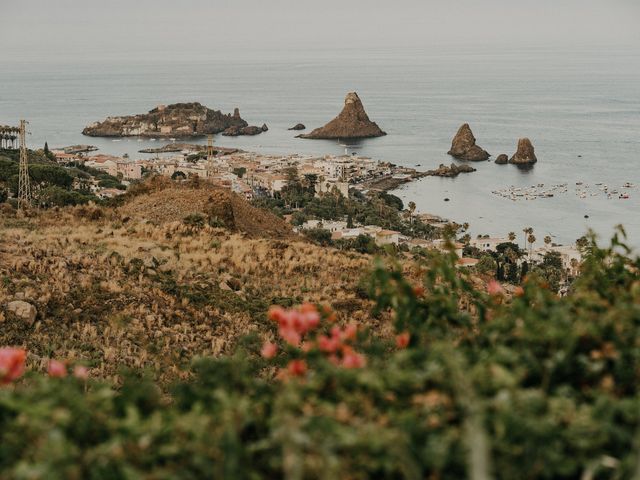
[(24, 184)]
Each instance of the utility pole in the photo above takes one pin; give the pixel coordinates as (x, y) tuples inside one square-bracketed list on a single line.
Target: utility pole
[(210, 148), (24, 184)]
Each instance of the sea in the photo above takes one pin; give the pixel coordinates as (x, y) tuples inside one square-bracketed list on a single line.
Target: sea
[(580, 107)]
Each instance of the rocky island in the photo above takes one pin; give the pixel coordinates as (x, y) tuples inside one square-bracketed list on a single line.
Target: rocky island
[(463, 146), (177, 120), (502, 159), (352, 122), (451, 171), (525, 155), (237, 131)]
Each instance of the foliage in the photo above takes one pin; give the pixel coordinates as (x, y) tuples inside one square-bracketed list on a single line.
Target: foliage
[(55, 196), (239, 171), (471, 384), (321, 236), (362, 244)]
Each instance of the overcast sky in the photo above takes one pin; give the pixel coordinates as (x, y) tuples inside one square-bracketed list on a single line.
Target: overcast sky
[(56, 29)]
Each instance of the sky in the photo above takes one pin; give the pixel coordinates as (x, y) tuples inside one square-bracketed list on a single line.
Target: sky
[(57, 29)]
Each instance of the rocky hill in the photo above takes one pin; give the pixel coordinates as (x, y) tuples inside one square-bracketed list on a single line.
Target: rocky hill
[(178, 120), (161, 201), (352, 122)]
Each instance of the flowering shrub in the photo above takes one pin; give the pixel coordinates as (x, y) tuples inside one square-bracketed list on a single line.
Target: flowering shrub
[(299, 329), (11, 364), (471, 384)]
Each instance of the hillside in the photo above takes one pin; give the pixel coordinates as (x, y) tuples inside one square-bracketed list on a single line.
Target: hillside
[(161, 201), (114, 290)]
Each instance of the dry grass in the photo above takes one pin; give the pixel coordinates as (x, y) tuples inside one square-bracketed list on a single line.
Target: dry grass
[(117, 293)]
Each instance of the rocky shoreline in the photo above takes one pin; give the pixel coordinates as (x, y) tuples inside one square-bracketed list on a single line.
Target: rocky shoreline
[(191, 147)]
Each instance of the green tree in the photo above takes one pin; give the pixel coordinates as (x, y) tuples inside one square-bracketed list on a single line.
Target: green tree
[(320, 236), (48, 153)]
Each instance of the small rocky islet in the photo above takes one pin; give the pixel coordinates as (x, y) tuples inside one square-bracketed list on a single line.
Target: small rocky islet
[(450, 171), (525, 154), (463, 146), (352, 123), (180, 120)]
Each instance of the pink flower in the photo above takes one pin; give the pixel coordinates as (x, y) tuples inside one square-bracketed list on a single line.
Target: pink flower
[(269, 350), (276, 313), (57, 369), (402, 340), (290, 336), (494, 288), (328, 345), (297, 368), (353, 360), (11, 364), (81, 372), (349, 332)]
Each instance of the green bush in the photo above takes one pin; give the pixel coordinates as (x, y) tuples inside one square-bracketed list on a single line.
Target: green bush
[(59, 197), (535, 386), (320, 236)]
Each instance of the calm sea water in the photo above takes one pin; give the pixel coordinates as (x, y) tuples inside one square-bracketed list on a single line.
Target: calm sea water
[(581, 108)]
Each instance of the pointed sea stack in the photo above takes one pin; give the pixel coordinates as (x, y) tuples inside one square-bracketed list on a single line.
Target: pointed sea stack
[(353, 122), (525, 154), (463, 146)]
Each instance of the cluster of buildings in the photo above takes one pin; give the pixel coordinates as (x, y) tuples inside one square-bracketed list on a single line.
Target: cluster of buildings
[(247, 173), (118, 167), (251, 174), (569, 254)]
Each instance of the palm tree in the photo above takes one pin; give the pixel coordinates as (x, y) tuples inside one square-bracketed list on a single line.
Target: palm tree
[(412, 208), (512, 236), (527, 232), (574, 265), (547, 240), (531, 239)]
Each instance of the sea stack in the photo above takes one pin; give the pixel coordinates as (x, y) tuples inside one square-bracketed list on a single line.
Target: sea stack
[(353, 122), (525, 155), (502, 159), (463, 146)]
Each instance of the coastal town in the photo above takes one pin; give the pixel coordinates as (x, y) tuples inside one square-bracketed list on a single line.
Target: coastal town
[(255, 176)]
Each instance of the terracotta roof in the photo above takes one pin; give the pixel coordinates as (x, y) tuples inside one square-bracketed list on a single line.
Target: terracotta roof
[(468, 261)]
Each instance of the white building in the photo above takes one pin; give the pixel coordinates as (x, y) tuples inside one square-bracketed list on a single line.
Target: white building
[(487, 244), (331, 225), (387, 237)]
